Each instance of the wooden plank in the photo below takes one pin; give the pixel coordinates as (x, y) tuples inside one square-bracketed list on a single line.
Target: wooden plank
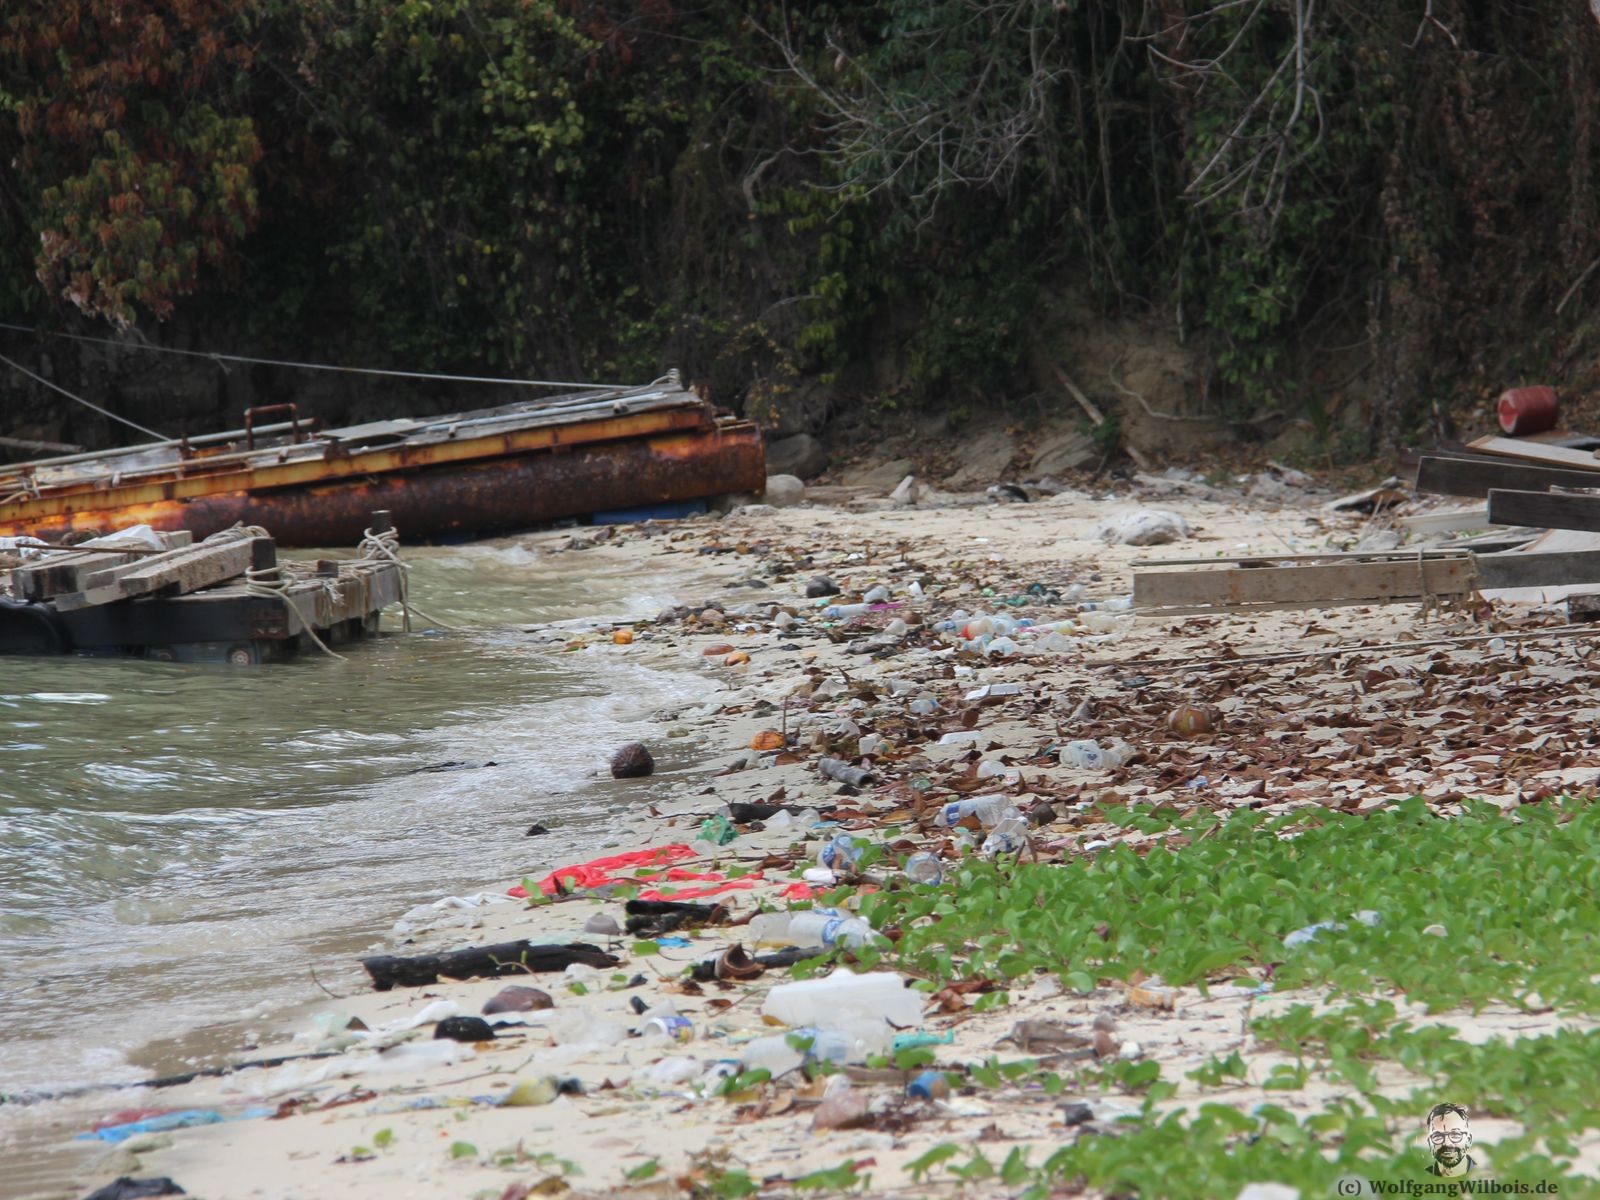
[(1545, 510), (64, 573), (1447, 475), (1584, 608), (110, 576), (1361, 583), (1446, 521), (1554, 569), (1554, 456), (200, 566), (1376, 583)]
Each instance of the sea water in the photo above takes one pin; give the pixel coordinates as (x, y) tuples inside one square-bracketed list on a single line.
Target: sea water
[(181, 845)]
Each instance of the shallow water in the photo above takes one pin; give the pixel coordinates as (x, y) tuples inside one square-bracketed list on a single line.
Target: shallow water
[(179, 843)]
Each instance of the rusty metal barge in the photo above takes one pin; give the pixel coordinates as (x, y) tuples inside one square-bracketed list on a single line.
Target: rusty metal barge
[(494, 470)]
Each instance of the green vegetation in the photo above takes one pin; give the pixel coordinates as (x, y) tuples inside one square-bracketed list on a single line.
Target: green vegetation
[(885, 195), (1518, 898)]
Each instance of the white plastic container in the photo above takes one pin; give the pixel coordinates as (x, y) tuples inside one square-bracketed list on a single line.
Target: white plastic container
[(990, 810), (875, 997)]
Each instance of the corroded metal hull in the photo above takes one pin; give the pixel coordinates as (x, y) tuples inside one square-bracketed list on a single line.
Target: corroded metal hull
[(494, 471)]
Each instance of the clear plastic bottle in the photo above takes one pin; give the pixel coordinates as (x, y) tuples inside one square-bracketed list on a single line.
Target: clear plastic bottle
[(1091, 756), (923, 867), (1007, 837), (877, 998), (989, 810), (840, 854), (813, 927)]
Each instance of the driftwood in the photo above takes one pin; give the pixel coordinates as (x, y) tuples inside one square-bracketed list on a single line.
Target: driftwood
[(487, 962)]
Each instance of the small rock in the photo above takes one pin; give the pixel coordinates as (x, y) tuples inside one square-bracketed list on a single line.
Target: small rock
[(784, 491), (757, 510), (1075, 1112), (464, 1029), (712, 616), (537, 830), (632, 761), (842, 1109), (906, 492), (603, 924), (821, 585), (1143, 527), (800, 455), (517, 999)]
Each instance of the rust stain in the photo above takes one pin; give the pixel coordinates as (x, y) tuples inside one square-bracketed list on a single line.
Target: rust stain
[(472, 485)]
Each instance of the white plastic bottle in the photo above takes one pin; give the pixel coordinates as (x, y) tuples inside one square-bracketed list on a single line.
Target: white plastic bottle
[(878, 996)]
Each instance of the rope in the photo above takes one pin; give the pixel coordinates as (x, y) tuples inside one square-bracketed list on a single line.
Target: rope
[(307, 366), (272, 582), (386, 545), (104, 412)]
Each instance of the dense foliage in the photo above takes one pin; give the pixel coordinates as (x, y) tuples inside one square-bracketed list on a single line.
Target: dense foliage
[(883, 193)]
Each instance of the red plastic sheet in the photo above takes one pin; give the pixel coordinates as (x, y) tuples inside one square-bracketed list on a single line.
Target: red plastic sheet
[(598, 872)]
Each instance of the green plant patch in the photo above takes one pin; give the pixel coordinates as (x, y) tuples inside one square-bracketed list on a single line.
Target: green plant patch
[(1518, 899)]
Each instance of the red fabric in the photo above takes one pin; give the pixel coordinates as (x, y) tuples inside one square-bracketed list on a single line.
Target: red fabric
[(597, 872), (716, 889)]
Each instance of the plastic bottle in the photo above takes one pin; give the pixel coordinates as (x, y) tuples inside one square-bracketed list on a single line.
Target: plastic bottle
[(672, 1028), (923, 867), (923, 706), (815, 927), (878, 595), (1091, 756), (1002, 647), (1007, 837), (841, 854), (877, 997), (989, 810), (835, 611)]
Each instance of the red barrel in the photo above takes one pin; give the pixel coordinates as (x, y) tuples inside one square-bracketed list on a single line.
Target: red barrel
[(1526, 410)]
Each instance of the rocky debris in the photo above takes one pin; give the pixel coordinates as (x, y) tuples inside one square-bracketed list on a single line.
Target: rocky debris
[(784, 491), (800, 455), (821, 585), (463, 1029), (633, 761)]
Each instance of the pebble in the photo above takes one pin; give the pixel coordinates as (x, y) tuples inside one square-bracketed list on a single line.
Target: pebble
[(464, 1029), (821, 585)]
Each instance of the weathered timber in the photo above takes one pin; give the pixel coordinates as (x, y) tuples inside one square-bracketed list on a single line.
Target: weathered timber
[(1453, 520), (1448, 475), (1552, 569), (1554, 456), (1545, 510), (1584, 609), (200, 566), (1370, 582), (1361, 583), (487, 962), (66, 573)]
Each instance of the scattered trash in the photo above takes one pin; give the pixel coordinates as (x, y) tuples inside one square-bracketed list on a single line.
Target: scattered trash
[(1191, 720), (833, 768), (923, 867), (464, 1029), (876, 996), (532, 1093), (930, 1085), (1143, 527)]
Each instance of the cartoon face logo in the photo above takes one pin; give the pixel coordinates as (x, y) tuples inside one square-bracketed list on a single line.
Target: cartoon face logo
[(1448, 1140)]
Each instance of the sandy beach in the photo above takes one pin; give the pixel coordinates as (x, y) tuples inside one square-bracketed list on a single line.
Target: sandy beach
[(1291, 716)]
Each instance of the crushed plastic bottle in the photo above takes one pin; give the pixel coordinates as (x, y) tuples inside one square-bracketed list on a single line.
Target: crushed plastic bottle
[(1007, 837), (923, 867), (1002, 647), (878, 595), (1091, 756), (840, 854), (923, 706), (990, 811)]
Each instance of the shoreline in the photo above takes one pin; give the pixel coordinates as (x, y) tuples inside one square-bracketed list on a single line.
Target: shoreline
[(633, 1111)]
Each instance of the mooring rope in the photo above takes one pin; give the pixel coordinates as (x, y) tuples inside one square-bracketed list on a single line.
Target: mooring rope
[(271, 582), (386, 545)]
